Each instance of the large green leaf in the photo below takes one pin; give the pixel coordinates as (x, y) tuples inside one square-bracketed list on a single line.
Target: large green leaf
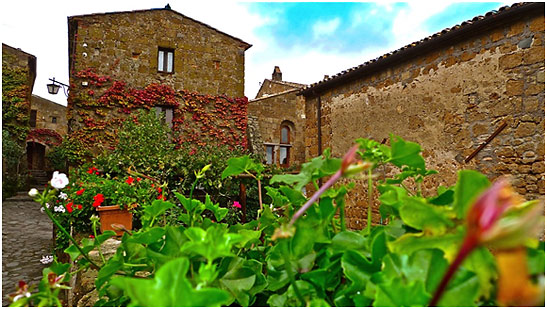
[(482, 263), (411, 242), (406, 153), (239, 165), (463, 291), (424, 265), (240, 279), (219, 212), (417, 213), (470, 184), (170, 288), (395, 293), (536, 259)]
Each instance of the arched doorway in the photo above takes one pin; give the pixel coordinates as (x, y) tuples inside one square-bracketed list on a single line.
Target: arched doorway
[(36, 156)]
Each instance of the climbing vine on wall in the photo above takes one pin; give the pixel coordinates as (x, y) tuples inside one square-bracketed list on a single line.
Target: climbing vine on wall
[(45, 136), (98, 105), (15, 98)]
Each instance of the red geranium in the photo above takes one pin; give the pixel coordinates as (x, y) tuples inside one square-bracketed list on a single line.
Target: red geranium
[(130, 180), (69, 207), (98, 199), (80, 192)]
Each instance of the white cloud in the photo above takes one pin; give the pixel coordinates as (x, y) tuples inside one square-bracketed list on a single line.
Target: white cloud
[(322, 28), (408, 24)]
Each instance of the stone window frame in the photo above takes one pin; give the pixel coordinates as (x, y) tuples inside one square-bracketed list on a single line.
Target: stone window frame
[(53, 119), (285, 144), (165, 52), (168, 113)]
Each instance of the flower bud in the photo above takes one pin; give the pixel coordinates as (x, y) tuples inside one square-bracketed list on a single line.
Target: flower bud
[(33, 192)]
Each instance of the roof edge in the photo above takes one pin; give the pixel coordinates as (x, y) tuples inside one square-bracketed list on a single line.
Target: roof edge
[(247, 45)]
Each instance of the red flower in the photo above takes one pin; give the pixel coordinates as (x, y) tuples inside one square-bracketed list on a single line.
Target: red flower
[(139, 179), (161, 197), (69, 207), (79, 206), (96, 173), (91, 236), (129, 180), (98, 199), (92, 170), (159, 190), (237, 204), (80, 192)]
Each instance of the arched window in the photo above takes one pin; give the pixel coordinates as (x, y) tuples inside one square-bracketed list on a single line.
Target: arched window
[(284, 147)]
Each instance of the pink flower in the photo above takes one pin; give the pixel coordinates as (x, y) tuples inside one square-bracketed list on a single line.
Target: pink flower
[(236, 204)]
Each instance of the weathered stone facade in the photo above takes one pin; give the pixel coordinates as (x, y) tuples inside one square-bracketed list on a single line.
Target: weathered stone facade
[(49, 115), (159, 59), (278, 104), (125, 46), (449, 94)]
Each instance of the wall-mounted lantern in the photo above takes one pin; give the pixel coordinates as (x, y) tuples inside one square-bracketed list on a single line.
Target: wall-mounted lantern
[(53, 88)]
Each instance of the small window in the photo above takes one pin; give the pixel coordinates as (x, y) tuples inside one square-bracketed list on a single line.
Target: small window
[(165, 60), (53, 119), (284, 156), (32, 120), (166, 113), (285, 135), (269, 154)]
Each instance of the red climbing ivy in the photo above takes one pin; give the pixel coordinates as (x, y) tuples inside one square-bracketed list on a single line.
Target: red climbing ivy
[(45, 136), (98, 109)]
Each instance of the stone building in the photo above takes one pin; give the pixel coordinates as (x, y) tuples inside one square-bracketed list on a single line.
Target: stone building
[(449, 92), (48, 126), (277, 114), (158, 46), (158, 58)]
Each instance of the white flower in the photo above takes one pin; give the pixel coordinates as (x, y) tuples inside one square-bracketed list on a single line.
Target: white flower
[(26, 294), (42, 209), (33, 192), (59, 208), (46, 259), (63, 196), (59, 180), (47, 205)]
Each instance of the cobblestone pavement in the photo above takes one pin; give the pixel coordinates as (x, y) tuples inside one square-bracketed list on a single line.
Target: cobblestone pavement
[(26, 237)]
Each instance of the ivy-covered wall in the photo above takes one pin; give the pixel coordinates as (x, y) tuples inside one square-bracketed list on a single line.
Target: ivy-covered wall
[(18, 75), (96, 111)]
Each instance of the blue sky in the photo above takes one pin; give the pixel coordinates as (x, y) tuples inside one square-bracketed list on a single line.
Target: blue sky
[(307, 40)]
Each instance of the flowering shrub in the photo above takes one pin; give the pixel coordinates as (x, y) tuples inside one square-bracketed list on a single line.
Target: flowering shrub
[(300, 253)]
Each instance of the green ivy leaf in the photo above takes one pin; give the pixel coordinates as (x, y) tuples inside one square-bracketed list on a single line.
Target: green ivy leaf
[(470, 184), (411, 242), (170, 288)]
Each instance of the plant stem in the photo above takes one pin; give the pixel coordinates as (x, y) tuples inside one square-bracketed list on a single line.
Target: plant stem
[(191, 193), (469, 244), (99, 245), (369, 210), (293, 281), (62, 229), (316, 195)]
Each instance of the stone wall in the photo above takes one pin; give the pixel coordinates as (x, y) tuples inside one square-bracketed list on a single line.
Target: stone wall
[(125, 45), (45, 111), (274, 110), (449, 100)]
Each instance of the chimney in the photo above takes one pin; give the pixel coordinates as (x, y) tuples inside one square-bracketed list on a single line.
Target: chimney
[(277, 75)]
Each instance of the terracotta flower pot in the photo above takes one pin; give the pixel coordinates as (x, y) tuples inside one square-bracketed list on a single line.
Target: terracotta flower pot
[(114, 215)]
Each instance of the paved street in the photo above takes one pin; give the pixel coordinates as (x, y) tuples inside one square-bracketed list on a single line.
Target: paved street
[(26, 237)]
